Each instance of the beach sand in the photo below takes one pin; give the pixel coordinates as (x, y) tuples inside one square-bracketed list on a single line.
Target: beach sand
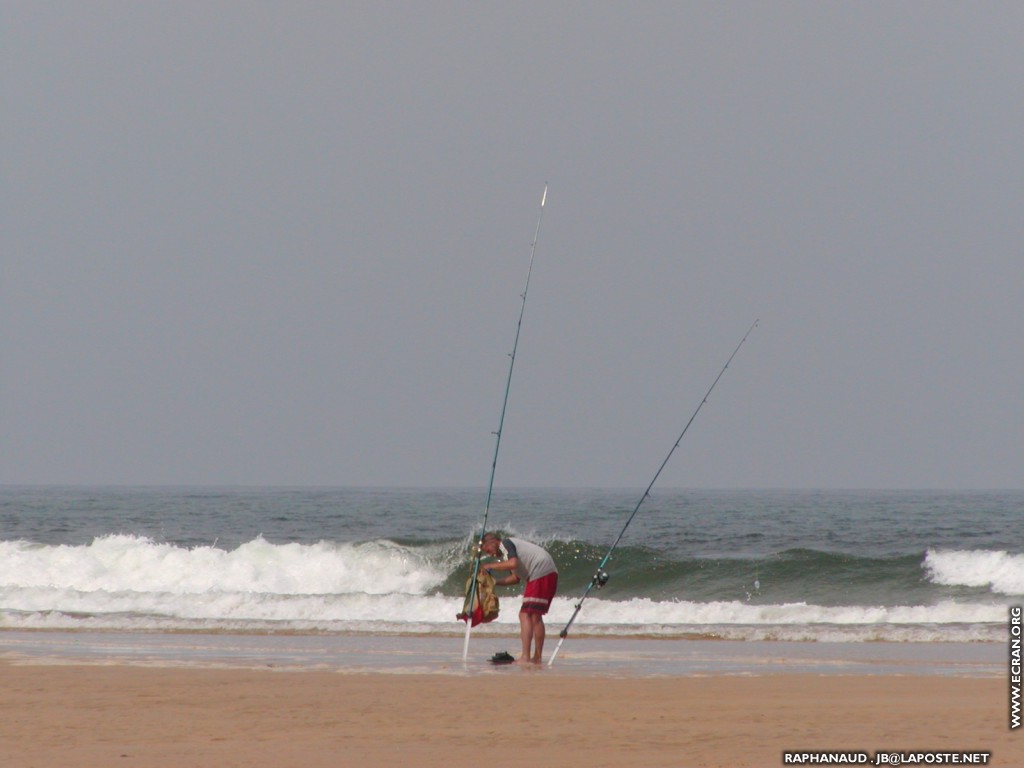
[(62, 712)]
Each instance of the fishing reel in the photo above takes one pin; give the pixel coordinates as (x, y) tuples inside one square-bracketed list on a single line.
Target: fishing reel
[(601, 578)]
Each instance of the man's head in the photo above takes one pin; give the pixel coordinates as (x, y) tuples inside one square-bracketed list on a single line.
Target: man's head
[(490, 544)]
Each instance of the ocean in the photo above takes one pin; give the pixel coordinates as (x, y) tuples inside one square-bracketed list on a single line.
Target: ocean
[(740, 565)]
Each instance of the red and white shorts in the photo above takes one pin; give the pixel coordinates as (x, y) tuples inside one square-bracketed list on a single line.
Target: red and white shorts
[(538, 594)]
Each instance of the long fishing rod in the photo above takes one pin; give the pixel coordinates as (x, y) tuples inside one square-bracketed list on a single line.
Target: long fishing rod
[(600, 577), (467, 608)]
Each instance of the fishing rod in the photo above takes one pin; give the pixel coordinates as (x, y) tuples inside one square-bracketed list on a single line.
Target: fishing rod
[(601, 577), (467, 608)]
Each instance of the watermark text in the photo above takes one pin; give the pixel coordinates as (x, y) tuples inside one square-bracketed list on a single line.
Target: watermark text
[(886, 757), (1015, 666)]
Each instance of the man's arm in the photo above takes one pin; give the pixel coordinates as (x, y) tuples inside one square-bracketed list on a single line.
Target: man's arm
[(505, 565)]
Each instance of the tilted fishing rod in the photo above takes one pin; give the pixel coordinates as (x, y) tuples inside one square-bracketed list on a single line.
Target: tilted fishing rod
[(467, 608), (600, 577)]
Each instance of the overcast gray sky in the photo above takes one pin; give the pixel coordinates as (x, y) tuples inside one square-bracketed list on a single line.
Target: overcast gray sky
[(285, 243)]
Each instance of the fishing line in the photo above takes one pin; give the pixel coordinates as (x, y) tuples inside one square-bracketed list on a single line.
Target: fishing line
[(467, 608), (601, 577)]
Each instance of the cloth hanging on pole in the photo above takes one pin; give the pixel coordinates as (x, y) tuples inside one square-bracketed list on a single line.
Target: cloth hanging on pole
[(485, 599)]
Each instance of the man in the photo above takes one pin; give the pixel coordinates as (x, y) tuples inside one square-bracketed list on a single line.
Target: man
[(525, 561)]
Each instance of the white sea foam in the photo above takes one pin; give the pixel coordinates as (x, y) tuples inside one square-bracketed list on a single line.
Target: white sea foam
[(132, 583), (435, 614), (999, 571), (120, 563)]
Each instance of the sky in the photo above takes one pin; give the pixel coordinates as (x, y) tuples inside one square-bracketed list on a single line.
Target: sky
[(286, 243)]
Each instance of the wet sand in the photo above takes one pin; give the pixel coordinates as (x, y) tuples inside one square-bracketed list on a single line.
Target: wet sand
[(81, 701)]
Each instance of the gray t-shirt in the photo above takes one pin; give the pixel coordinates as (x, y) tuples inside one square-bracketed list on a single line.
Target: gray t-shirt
[(534, 561)]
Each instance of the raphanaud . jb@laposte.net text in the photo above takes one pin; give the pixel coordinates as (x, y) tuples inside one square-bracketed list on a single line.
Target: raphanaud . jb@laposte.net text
[(885, 757)]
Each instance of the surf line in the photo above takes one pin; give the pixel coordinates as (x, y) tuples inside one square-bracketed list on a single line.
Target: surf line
[(467, 608), (601, 577)]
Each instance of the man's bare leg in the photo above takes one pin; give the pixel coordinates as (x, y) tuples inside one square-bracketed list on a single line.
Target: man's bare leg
[(531, 632), (538, 637), (525, 635)]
